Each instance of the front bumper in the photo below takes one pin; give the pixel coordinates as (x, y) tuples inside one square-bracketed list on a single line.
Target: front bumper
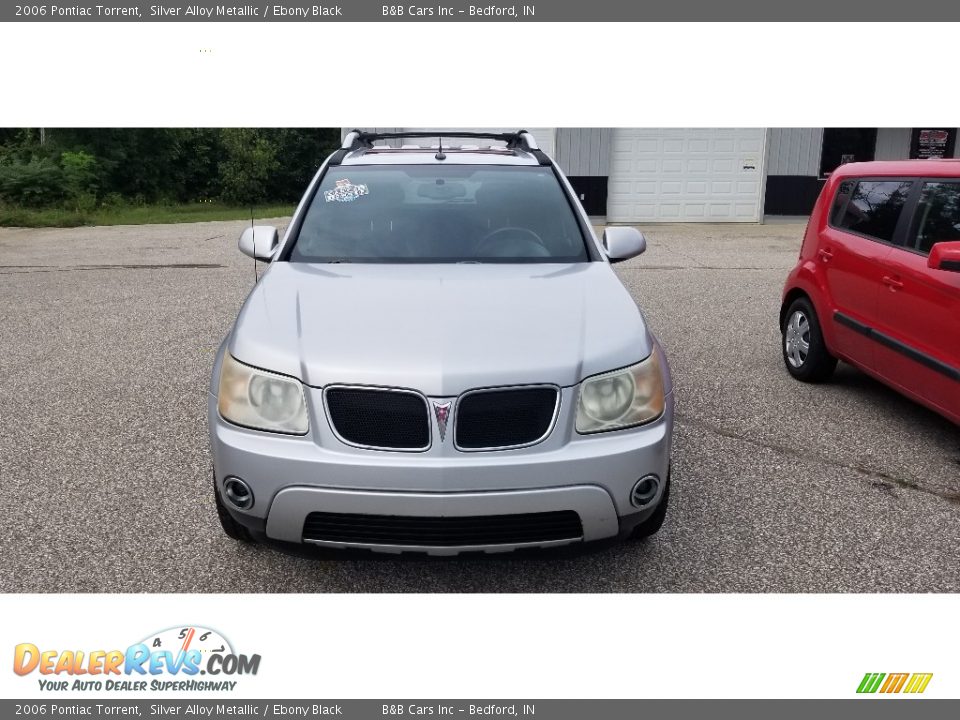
[(292, 477), (290, 508)]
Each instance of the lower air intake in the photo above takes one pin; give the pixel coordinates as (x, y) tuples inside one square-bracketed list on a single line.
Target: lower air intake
[(528, 528)]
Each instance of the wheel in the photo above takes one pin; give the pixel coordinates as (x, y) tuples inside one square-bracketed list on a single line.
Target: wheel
[(652, 524), (231, 527), (804, 352)]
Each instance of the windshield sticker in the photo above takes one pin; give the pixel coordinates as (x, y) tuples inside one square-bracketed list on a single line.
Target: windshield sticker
[(345, 191)]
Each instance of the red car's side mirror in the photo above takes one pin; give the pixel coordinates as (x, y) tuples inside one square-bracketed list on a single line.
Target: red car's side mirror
[(945, 256)]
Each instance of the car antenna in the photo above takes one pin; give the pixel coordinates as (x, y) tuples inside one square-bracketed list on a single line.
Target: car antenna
[(254, 233), (440, 155)]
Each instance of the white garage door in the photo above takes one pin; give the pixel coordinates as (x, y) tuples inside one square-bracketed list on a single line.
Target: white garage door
[(686, 175)]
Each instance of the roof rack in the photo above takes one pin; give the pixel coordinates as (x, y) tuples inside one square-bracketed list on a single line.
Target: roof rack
[(520, 140)]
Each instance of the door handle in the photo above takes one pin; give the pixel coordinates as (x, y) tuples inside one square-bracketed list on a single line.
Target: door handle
[(825, 254), (892, 283)]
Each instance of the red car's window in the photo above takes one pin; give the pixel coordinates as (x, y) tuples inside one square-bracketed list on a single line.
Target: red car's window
[(843, 194), (874, 208), (938, 215)]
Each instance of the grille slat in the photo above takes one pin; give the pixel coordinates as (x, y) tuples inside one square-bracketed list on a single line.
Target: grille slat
[(428, 535), (375, 418), (488, 419), (443, 531), (390, 527)]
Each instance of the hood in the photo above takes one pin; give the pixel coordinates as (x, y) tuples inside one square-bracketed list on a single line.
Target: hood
[(440, 329)]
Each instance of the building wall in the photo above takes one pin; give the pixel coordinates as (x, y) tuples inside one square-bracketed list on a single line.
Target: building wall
[(794, 151), (892, 144), (584, 152), (584, 156), (791, 176), (793, 167)]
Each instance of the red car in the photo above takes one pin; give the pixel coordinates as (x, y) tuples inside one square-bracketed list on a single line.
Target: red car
[(878, 281)]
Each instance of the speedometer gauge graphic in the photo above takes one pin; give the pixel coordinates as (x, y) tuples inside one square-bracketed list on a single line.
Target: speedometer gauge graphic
[(185, 638)]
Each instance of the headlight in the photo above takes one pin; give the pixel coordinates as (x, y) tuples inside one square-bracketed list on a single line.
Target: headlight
[(258, 399), (622, 398)]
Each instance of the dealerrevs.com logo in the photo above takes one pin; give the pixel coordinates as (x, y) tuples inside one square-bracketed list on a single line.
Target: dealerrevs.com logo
[(179, 659)]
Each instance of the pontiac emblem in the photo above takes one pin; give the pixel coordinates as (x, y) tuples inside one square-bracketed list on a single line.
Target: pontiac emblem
[(442, 411)]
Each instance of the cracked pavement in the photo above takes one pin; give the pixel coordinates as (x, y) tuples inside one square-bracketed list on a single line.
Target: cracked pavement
[(106, 343)]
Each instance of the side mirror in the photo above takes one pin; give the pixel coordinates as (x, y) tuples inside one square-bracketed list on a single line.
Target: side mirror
[(623, 243), (259, 242), (945, 256)]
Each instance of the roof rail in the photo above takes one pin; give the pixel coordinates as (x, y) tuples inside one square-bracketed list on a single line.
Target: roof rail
[(350, 139), (520, 140)]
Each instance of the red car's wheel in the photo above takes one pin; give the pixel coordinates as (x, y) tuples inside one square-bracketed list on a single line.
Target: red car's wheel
[(804, 352)]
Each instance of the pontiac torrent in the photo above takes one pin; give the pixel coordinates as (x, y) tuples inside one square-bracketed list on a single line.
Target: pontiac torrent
[(440, 359)]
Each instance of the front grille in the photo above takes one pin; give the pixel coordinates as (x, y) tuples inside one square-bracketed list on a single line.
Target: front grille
[(442, 531), (379, 418), (504, 418)]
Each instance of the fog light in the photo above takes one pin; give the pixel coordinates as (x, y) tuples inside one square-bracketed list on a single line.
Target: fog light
[(644, 491), (238, 493)]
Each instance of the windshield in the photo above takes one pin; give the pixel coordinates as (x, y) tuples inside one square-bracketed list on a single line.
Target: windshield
[(431, 214)]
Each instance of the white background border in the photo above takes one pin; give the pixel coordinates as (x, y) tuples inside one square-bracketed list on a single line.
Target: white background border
[(478, 74), (312, 74), (522, 646)]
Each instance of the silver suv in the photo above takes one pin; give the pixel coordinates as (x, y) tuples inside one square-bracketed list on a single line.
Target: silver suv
[(440, 359)]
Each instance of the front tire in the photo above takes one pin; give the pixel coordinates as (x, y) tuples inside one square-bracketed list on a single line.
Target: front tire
[(804, 352), (231, 527)]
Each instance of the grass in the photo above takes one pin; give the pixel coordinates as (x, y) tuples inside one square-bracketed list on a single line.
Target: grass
[(135, 215)]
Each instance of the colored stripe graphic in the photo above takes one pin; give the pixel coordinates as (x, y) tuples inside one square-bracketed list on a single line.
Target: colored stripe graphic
[(894, 683), (918, 682), (870, 682)]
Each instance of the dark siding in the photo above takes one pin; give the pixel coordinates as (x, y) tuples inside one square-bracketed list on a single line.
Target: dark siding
[(791, 194), (592, 193)]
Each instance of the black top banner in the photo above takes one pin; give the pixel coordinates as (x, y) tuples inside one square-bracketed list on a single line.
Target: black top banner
[(456, 11)]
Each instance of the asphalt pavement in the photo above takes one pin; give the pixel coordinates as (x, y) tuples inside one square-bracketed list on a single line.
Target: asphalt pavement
[(107, 336)]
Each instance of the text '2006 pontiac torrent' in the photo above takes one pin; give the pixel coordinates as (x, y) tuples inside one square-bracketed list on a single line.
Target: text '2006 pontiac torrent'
[(439, 358)]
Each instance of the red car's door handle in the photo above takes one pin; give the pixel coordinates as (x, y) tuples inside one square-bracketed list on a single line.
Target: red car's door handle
[(892, 283), (825, 254)]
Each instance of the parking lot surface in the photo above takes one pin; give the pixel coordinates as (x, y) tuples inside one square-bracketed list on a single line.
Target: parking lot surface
[(107, 336)]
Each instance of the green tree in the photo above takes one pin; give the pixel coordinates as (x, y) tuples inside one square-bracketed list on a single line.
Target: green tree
[(249, 161), (80, 166), (37, 183)]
